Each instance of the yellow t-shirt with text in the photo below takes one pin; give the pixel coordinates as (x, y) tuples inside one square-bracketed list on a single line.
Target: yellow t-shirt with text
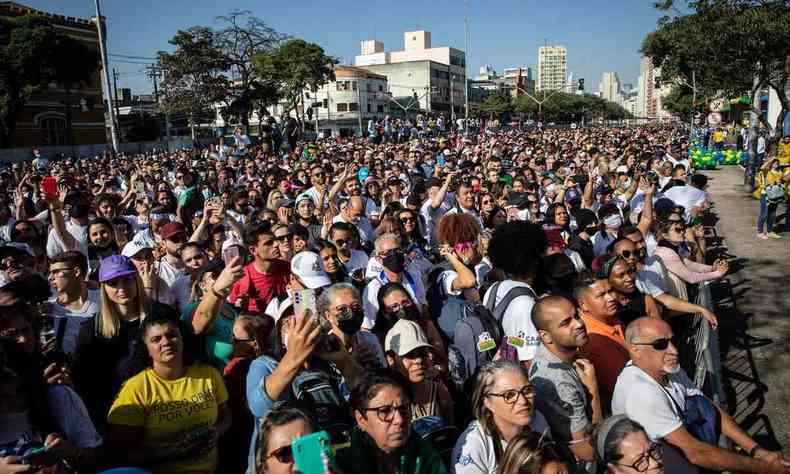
[(168, 410)]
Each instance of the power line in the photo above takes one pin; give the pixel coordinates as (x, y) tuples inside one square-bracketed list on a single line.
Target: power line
[(129, 56)]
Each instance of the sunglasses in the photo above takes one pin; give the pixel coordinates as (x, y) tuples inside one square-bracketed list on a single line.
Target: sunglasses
[(626, 254), (660, 344), (178, 239), (410, 220), (283, 454), (284, 238)]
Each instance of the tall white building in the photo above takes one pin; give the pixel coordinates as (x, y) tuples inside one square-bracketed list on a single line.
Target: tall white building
[(552, 68), (650, 97), (435, 75), (610, 87)]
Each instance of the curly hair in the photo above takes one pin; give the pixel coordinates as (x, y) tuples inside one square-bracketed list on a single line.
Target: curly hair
[(456, 228), (517, 247)]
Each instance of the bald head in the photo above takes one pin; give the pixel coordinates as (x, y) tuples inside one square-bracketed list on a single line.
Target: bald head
[(645, 328), (548, 310), (356, 206)]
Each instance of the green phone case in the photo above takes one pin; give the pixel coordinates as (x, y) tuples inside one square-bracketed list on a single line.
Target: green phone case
[(308, 451)]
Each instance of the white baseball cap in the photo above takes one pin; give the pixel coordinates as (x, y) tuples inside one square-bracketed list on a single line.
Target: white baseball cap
[(404, 337), (132, 248), (622, 169), (307, 267)]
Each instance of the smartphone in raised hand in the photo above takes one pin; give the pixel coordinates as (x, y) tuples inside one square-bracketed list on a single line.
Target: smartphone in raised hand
[(304, 300), (310, 451), (229, 254), (50, 187)]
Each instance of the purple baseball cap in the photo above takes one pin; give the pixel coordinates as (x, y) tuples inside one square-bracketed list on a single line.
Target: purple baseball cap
[(115, 266)]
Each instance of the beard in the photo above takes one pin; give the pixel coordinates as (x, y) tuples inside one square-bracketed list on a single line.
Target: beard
[(672, 369)]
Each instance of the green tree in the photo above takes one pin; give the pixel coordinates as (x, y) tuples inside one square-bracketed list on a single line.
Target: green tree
[(195, 79), (34, 55), (240, 38), (295, 66), (725, 48), (495, 106)]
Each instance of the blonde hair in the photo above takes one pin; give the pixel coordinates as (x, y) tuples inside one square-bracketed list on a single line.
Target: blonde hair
[(108, 324), (485, 379)]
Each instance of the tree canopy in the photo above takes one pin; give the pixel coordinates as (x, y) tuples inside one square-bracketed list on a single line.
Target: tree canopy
[(34, 55), (724, 48)]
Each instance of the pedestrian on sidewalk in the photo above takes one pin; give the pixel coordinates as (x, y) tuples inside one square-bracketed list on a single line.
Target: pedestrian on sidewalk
[(770, 191)]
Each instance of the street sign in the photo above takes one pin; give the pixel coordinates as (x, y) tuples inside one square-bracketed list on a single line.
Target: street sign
[(714, 118)]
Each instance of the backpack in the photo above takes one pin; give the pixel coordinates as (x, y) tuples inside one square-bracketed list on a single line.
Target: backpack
[(507, 351), (477, 334), (315, 392)]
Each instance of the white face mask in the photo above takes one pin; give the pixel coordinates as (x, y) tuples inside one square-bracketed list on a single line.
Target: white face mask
[(613, 221)]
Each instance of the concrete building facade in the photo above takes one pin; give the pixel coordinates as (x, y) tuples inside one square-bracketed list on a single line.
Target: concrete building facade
[(437, 75), (609, 88), (552, 68)]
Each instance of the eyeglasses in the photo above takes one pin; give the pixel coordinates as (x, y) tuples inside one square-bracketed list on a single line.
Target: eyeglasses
[(10, 263), (59, 272), (283, 238), (236, 339), (660, 344), (283, 454), (386, 413), (343, 242), (419, 353), (511, 396), (390, 252), (642, 464)]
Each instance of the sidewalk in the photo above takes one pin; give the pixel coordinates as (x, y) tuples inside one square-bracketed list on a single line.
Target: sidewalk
[(757, 376)]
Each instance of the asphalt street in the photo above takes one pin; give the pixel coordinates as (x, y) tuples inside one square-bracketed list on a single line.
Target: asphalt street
[(756, 366)]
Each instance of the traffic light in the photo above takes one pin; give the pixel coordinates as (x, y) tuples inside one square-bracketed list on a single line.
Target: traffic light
[(581, 84)]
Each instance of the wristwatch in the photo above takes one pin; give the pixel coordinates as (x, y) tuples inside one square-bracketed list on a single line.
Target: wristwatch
[(753, 451)]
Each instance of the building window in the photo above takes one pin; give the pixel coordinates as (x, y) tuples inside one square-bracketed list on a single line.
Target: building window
[(53, 130), (381, 88), (342, 107), (353, 107), (370, 108), (353, 85), (380, 109)]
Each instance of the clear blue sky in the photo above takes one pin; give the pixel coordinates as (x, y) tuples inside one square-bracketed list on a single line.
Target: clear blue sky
[(600, 35)]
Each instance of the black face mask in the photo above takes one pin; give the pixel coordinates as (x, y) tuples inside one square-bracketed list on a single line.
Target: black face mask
[(79, 211), (394, 262), (350, 321), (410, 313)]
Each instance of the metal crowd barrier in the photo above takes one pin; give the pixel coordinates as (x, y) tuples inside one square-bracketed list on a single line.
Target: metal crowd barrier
[(707, 371)]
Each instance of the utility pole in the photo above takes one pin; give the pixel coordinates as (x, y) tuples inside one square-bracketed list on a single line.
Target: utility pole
[(359, 106), (115, 91), (152, 74), (106, 73), (466, 68)]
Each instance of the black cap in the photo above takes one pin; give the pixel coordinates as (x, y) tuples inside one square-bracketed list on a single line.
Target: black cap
[(210, 267)]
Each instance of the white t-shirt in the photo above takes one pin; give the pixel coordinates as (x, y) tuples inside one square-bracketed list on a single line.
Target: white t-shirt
[(642, 399), (370, 302), (600, 241), (167, 272), (80, 234), (182, 291), (516, 321), (686, 196), (431, 216), (474, 451), (649, 279)]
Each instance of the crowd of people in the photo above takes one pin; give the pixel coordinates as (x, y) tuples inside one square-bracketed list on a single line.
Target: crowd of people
[(482, 302)]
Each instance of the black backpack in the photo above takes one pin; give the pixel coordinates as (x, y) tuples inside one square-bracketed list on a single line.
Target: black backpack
[(315, 392)]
